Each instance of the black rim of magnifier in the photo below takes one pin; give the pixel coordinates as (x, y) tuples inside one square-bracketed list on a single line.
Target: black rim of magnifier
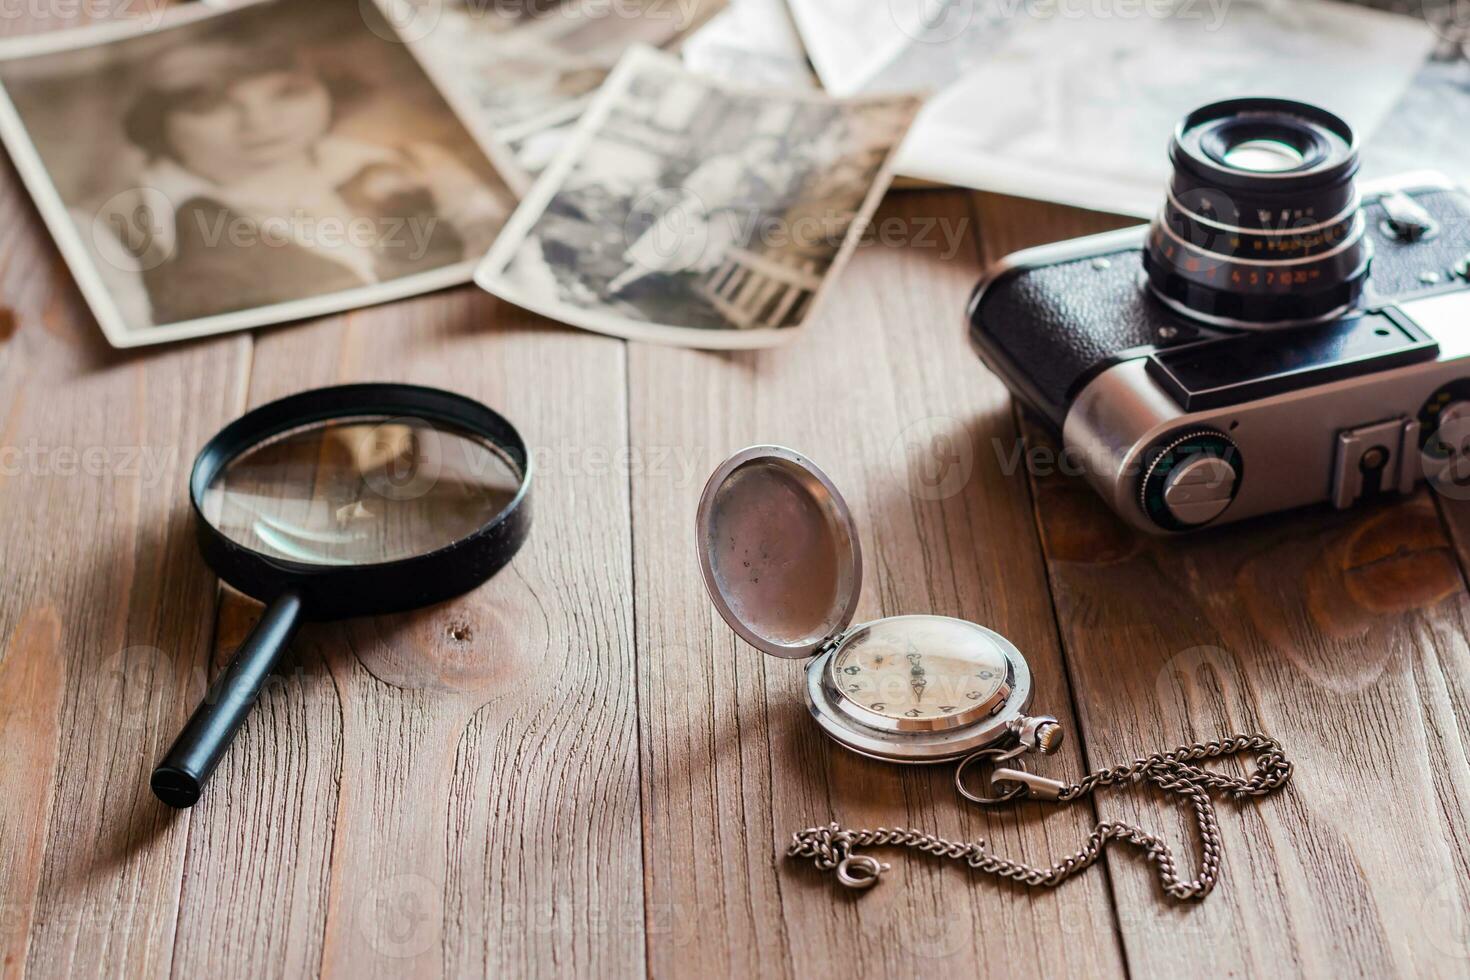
[(341, 591), (297, 591)]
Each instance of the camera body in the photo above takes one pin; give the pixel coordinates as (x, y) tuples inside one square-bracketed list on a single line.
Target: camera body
[(1182, 420)]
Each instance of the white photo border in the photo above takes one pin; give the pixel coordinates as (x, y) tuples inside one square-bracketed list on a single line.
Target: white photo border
[(80, 260)]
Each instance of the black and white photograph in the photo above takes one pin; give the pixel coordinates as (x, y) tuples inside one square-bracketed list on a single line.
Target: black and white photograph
[(1430, 126), (520, 68), (752, 41), (850, 43), (239, 167), (1065, 67), (696, 212), (1066, 74)]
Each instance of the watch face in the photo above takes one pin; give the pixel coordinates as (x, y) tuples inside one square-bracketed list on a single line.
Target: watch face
[(919, 673)]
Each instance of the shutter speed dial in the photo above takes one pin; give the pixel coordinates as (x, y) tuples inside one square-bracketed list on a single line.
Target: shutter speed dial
[(1191, 480)]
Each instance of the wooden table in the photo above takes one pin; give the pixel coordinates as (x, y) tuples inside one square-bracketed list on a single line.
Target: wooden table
[(578, 769)]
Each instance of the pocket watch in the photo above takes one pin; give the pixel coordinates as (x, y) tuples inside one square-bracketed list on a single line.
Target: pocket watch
[(782, 562)]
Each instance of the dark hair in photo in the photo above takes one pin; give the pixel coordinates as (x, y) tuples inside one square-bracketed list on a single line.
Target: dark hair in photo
[(199, 69)]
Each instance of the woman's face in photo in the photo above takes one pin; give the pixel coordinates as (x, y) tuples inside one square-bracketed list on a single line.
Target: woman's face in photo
[(250, 125)]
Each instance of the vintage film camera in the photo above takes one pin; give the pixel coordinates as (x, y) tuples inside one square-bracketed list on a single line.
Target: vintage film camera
[(1273, 339)]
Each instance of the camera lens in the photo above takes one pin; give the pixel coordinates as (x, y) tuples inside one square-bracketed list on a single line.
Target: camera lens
[(1261, 227), (1263, 156)]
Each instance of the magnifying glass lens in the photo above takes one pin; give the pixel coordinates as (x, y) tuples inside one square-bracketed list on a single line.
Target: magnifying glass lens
[(360, 491), (355, 500)]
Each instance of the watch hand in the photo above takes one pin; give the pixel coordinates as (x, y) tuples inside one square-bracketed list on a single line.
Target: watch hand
[(916, 677)]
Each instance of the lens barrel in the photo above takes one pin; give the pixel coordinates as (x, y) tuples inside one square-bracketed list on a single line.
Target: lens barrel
[(1261, 227)]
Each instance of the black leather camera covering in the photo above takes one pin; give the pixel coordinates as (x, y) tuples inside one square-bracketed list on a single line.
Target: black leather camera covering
[(1048, 330)]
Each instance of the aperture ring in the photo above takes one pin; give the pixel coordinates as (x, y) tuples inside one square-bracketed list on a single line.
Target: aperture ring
[(1337, 219), (1352, 238)]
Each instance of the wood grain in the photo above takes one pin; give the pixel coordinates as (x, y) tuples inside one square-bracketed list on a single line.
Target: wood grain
[(105, 617), (883, 394), (106, 612), (577, 769), (453, 790), (1343, 634)]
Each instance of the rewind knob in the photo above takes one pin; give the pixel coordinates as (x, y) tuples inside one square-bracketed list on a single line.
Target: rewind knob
[(1191, 480)]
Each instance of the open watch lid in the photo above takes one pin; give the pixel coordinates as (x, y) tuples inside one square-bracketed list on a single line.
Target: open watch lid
[(778, 550)]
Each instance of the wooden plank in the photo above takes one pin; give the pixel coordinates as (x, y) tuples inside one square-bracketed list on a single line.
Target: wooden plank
[(453, 790), (106, 612), (1009, 224), (732, 764), (1343, 634)]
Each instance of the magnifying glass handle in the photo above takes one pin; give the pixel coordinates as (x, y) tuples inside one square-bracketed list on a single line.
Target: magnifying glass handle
[(179, 777)]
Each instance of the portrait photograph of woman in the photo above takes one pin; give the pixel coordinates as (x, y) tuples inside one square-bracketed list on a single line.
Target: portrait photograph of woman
[(245, 166)]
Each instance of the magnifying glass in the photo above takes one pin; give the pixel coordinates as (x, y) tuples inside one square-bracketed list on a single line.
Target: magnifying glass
[(347, 501)]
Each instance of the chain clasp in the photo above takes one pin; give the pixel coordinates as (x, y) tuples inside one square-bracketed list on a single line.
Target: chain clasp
[(1008, 782), (1035, 786)]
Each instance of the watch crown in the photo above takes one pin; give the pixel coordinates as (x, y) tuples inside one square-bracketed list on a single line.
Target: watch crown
[(1049, 737), (1042, 733)]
